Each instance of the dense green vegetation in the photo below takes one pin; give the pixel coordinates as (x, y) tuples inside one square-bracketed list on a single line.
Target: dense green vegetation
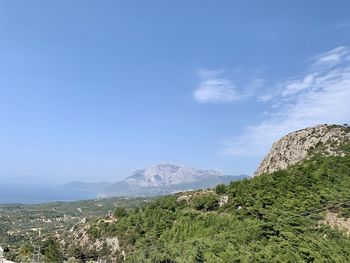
[(270, 218), (276, 217), (24, 229)]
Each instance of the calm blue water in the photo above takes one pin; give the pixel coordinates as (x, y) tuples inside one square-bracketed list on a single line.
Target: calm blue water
[(33, 194)]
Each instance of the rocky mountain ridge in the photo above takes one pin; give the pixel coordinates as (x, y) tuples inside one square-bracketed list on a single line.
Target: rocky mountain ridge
[(169, 178), (302, 144), (168, 174), (159, 179)]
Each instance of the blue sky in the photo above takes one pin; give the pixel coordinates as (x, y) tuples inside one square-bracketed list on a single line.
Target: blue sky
[(93, 90)]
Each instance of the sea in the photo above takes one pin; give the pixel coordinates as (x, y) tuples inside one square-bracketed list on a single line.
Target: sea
[(38, 194)]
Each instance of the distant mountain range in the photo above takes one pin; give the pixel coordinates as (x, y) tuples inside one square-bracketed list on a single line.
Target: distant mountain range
[(157, 180)]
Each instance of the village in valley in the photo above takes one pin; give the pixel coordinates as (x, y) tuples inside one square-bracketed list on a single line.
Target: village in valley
[(24, 228)]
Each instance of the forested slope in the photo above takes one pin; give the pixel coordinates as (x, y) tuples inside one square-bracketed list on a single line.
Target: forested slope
[(297, 214), (271, 218)]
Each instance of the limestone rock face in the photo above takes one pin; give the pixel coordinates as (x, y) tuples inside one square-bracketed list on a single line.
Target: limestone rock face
[(302, 144), (223, 200)]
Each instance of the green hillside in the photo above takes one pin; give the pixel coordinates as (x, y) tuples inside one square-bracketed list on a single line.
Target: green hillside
[(270, 218), (25, 228), (300, 214)]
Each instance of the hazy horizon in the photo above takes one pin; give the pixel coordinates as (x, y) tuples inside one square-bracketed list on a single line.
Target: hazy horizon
[(92, 91)]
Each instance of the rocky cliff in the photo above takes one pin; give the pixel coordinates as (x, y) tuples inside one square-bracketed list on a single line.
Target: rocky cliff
[(302, 144)]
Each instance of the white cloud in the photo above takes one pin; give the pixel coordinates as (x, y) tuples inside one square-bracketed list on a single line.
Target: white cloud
[(343, 24), (332, 57), (265, 97), (316, 97), (296, 86), (215, 88)]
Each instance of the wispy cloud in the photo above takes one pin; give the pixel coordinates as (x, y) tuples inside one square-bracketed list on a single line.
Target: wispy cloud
[(331, 58), (215, 87), (342, 24), (320, 95)]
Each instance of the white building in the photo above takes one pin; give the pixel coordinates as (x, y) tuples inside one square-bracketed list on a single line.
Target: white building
[(2, 259)]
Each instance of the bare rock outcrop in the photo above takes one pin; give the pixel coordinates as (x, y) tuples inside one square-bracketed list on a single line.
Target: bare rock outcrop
[(300, 145), (223, 200), (335, 221)]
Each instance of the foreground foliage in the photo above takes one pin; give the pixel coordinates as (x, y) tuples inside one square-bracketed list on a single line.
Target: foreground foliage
[(269, 218), (26, 230)]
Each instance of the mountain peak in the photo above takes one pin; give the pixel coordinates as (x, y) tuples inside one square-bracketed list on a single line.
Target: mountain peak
[(300, 145), (168, 174)]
